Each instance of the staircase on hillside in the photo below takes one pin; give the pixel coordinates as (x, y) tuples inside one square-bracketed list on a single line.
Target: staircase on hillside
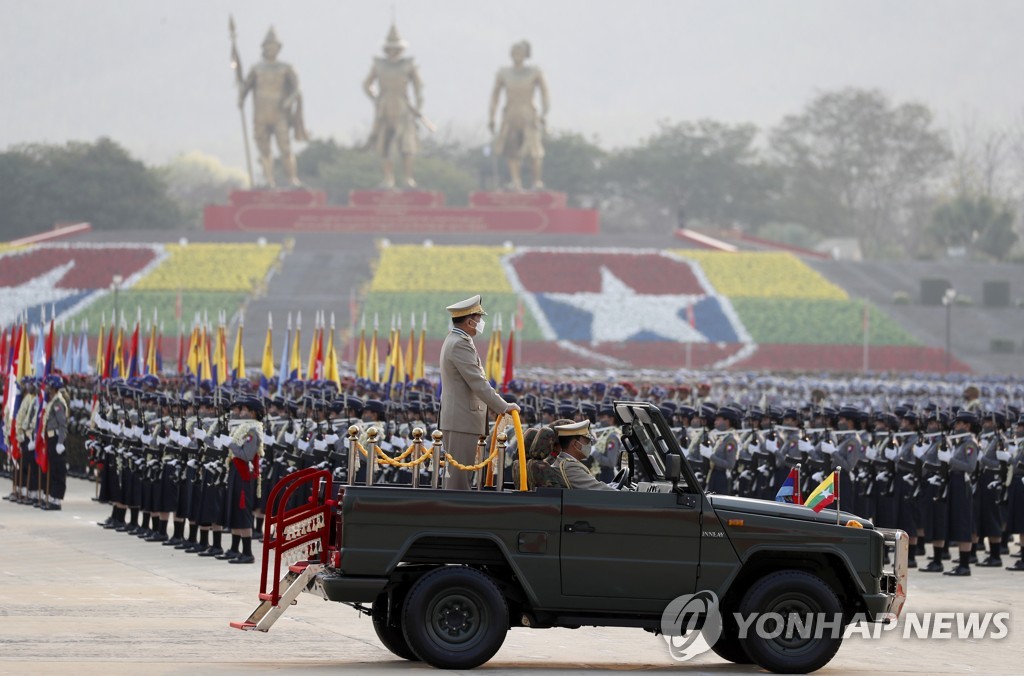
[(310, 279), (971, 327)]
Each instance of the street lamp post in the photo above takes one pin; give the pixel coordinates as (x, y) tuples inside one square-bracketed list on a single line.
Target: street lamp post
[(948, 299)]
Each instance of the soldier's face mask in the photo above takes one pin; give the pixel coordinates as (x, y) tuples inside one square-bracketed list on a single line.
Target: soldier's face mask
[(480, 325)]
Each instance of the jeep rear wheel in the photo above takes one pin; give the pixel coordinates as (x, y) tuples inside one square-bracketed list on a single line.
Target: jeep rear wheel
[(390, 633), (794, 649), (455, 618)]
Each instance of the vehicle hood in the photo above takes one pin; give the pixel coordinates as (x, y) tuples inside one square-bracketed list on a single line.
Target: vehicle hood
[(782, 510)]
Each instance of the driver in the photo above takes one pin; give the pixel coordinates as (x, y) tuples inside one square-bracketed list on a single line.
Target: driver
[(575, 443)]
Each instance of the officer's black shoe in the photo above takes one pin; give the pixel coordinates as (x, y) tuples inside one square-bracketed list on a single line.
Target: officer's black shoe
[(144, 533), (196, 548), (157, 537), (945, 556), (991, 562), (959, 571), (185, 545), (172, 542), (1017, 554), (973, 560), (125, 528), (227, 556), (1017, 566), (243, 558), (912, 563), (109, 523), (10, 496), (932, 567), (1004, 549), (212, 551)]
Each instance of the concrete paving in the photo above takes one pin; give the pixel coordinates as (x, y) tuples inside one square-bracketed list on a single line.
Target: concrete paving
[(75, 598)]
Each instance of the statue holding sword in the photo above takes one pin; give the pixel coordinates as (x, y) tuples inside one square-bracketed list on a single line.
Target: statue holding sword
[(395, 115)]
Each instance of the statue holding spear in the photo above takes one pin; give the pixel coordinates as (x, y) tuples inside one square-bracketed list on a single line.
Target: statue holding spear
[(277, 107)]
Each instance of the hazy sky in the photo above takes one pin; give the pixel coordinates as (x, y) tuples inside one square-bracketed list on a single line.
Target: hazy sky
[(155, 77)]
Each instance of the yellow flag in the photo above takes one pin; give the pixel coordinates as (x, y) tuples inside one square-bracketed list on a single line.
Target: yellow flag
[(374, 373), (410, 364), (267, 367), (399, 361), (238, 357), (420, 367), (100, 362), (331, 362), (295, 364), (361, 356)]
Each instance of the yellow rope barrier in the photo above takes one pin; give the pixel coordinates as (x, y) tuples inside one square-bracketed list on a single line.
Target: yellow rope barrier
[(396, 461), (470, 468)]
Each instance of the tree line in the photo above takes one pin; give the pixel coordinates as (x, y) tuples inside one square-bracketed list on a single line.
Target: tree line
[(852, 164)]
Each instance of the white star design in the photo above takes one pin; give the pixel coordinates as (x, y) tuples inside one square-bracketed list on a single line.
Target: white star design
[(619, 312), (41, 290)]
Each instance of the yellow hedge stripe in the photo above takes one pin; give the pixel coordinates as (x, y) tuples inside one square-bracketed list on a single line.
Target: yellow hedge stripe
[(211, 267), (762, 275), (473, 269)]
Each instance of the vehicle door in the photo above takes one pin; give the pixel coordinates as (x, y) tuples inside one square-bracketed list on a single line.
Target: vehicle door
[(632, 545)]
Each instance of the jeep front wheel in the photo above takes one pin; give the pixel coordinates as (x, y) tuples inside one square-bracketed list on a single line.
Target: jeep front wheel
[(799, 626), (455, 618)]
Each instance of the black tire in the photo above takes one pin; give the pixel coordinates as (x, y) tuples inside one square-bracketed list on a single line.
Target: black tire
[(785, 592), (455, 618), (728, 646), (391, 635)]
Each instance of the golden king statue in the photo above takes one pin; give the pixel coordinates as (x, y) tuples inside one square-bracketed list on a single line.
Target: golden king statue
[(277, 109), (522, 127), (395, 116)]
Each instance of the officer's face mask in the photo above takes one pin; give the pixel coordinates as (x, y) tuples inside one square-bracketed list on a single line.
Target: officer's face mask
[(480, 325), (585, 447)]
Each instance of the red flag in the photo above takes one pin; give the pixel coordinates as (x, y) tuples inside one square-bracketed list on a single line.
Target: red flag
[(133, 359), (509, 358), (108, 359), (12, 382)]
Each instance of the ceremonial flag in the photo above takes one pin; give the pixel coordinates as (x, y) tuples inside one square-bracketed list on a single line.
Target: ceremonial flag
[(238, 355), (311, 363), (420, 369), (789, 491), (101, 364), (331, 359), (12, 395), (205, 370), (374, 372), (222, 345), (361, 354), (398, 369), (509, 357), (42, 459), (295, 367), (3, 352), (267, 366), (159, 357), (133, 352), (410, 363), (283, 369), (192, 360), (825, 494)]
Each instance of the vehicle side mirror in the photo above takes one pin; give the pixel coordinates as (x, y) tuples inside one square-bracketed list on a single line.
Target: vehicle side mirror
[(673, 468)]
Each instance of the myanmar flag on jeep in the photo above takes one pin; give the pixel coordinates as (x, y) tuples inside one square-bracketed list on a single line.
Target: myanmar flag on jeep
[(825, 494)]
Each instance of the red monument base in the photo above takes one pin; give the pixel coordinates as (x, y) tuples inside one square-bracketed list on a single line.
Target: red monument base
[(387, 211)]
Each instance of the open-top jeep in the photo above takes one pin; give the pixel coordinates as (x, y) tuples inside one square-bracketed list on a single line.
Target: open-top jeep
[(445, 574)]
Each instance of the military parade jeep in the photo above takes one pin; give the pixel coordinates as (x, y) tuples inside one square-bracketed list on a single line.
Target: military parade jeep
[(445, 574)]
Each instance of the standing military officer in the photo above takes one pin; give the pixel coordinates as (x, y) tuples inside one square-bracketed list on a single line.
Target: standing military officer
[(55, 430), (465, 393), (723, 456)]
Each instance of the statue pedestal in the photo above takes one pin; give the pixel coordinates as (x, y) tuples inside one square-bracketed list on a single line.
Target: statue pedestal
[(537, 200), (396, 198), (394, 211), (284, 198)]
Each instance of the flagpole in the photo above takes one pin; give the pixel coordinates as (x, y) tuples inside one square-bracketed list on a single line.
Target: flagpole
[(236, 65), (835, 489)]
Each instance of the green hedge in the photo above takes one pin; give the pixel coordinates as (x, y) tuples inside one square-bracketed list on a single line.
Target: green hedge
[(817, 322), (164, 302)]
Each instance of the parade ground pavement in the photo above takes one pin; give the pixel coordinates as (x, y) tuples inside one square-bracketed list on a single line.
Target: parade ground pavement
[(76, 598)]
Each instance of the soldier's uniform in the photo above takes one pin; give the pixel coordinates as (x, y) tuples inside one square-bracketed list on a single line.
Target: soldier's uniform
[(574, 473), (55, 431)]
